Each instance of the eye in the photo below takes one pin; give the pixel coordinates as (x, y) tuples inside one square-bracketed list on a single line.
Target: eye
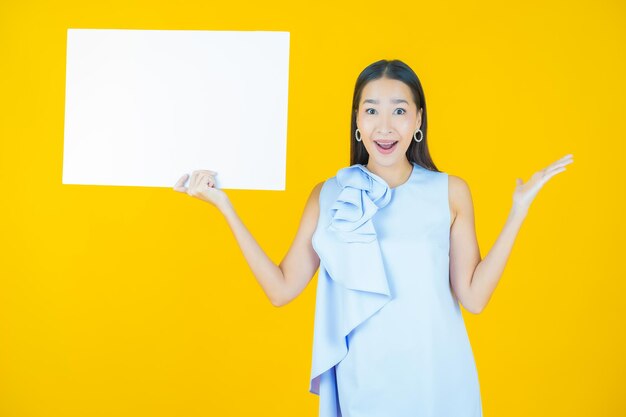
[(367, 111)]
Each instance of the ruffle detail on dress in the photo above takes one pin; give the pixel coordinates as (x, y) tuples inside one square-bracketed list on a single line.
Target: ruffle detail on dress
[(352, 283), (363, 194)]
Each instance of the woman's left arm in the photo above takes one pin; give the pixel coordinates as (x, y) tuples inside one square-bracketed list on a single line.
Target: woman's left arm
[(474, 280)]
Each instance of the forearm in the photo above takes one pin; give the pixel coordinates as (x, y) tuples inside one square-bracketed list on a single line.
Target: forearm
[(489, 271), (266, 272)]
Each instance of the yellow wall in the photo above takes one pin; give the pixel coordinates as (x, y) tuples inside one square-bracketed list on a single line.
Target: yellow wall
[(136, 301)]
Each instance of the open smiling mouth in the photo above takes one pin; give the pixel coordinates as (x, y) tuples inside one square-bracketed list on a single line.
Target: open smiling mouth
[(386, 146)]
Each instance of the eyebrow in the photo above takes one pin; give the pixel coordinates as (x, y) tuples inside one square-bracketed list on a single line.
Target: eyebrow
[(395, 101)]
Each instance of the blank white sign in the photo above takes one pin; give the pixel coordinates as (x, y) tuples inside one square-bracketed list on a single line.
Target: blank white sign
[(144, 107)]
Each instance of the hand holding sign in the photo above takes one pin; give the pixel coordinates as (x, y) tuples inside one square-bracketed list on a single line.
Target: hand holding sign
[(202, 186)]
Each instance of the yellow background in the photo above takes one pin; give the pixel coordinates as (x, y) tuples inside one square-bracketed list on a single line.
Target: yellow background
[(136, 301)]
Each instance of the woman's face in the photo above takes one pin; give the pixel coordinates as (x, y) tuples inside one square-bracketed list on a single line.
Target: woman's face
[(387, 114)]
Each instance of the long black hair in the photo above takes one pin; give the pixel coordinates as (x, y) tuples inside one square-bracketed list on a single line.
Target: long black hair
[(395, 70)]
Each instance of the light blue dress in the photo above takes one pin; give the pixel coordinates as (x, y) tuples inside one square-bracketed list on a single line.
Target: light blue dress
[(389, 338)]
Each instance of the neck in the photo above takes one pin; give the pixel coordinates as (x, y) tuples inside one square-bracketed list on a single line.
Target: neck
[(394, 175)]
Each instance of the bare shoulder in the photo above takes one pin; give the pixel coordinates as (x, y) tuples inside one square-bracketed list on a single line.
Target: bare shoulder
[(310, 214), (315, 193), (459, 196), (318, 187), (314, 197)]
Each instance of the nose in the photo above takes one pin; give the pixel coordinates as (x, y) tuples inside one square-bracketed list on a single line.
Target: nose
[(384, 129), (385, 125)]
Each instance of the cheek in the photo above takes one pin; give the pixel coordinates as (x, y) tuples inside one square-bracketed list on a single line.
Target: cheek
[(365, 122), (366, 128), (406, 125), (409, 130)]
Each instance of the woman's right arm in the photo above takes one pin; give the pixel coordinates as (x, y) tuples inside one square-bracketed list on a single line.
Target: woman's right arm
[(284, 282), (281, 283)]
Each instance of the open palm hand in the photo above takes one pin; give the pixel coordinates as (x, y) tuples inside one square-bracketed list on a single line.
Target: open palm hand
[(525, 192)]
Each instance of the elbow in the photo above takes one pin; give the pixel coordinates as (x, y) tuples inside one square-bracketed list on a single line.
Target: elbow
[(474, 308), (471, 305), (471, 302), (279, 300), (277, 294), (276, 302)]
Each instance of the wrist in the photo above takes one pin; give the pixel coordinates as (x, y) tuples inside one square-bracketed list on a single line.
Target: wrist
[(518, 211), (225, 207)]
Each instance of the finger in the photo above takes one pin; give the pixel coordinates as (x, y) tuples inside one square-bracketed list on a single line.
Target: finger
[(208, 171), (193, 182), (567, 159), (202, 180), (558, 165), (207, 181), (180, 184), (553, 173)]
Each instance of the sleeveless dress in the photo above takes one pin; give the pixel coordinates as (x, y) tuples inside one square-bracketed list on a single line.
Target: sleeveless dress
[(389, 337)]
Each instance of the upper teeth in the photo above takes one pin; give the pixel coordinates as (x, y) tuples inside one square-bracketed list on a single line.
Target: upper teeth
[(385, 143)]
